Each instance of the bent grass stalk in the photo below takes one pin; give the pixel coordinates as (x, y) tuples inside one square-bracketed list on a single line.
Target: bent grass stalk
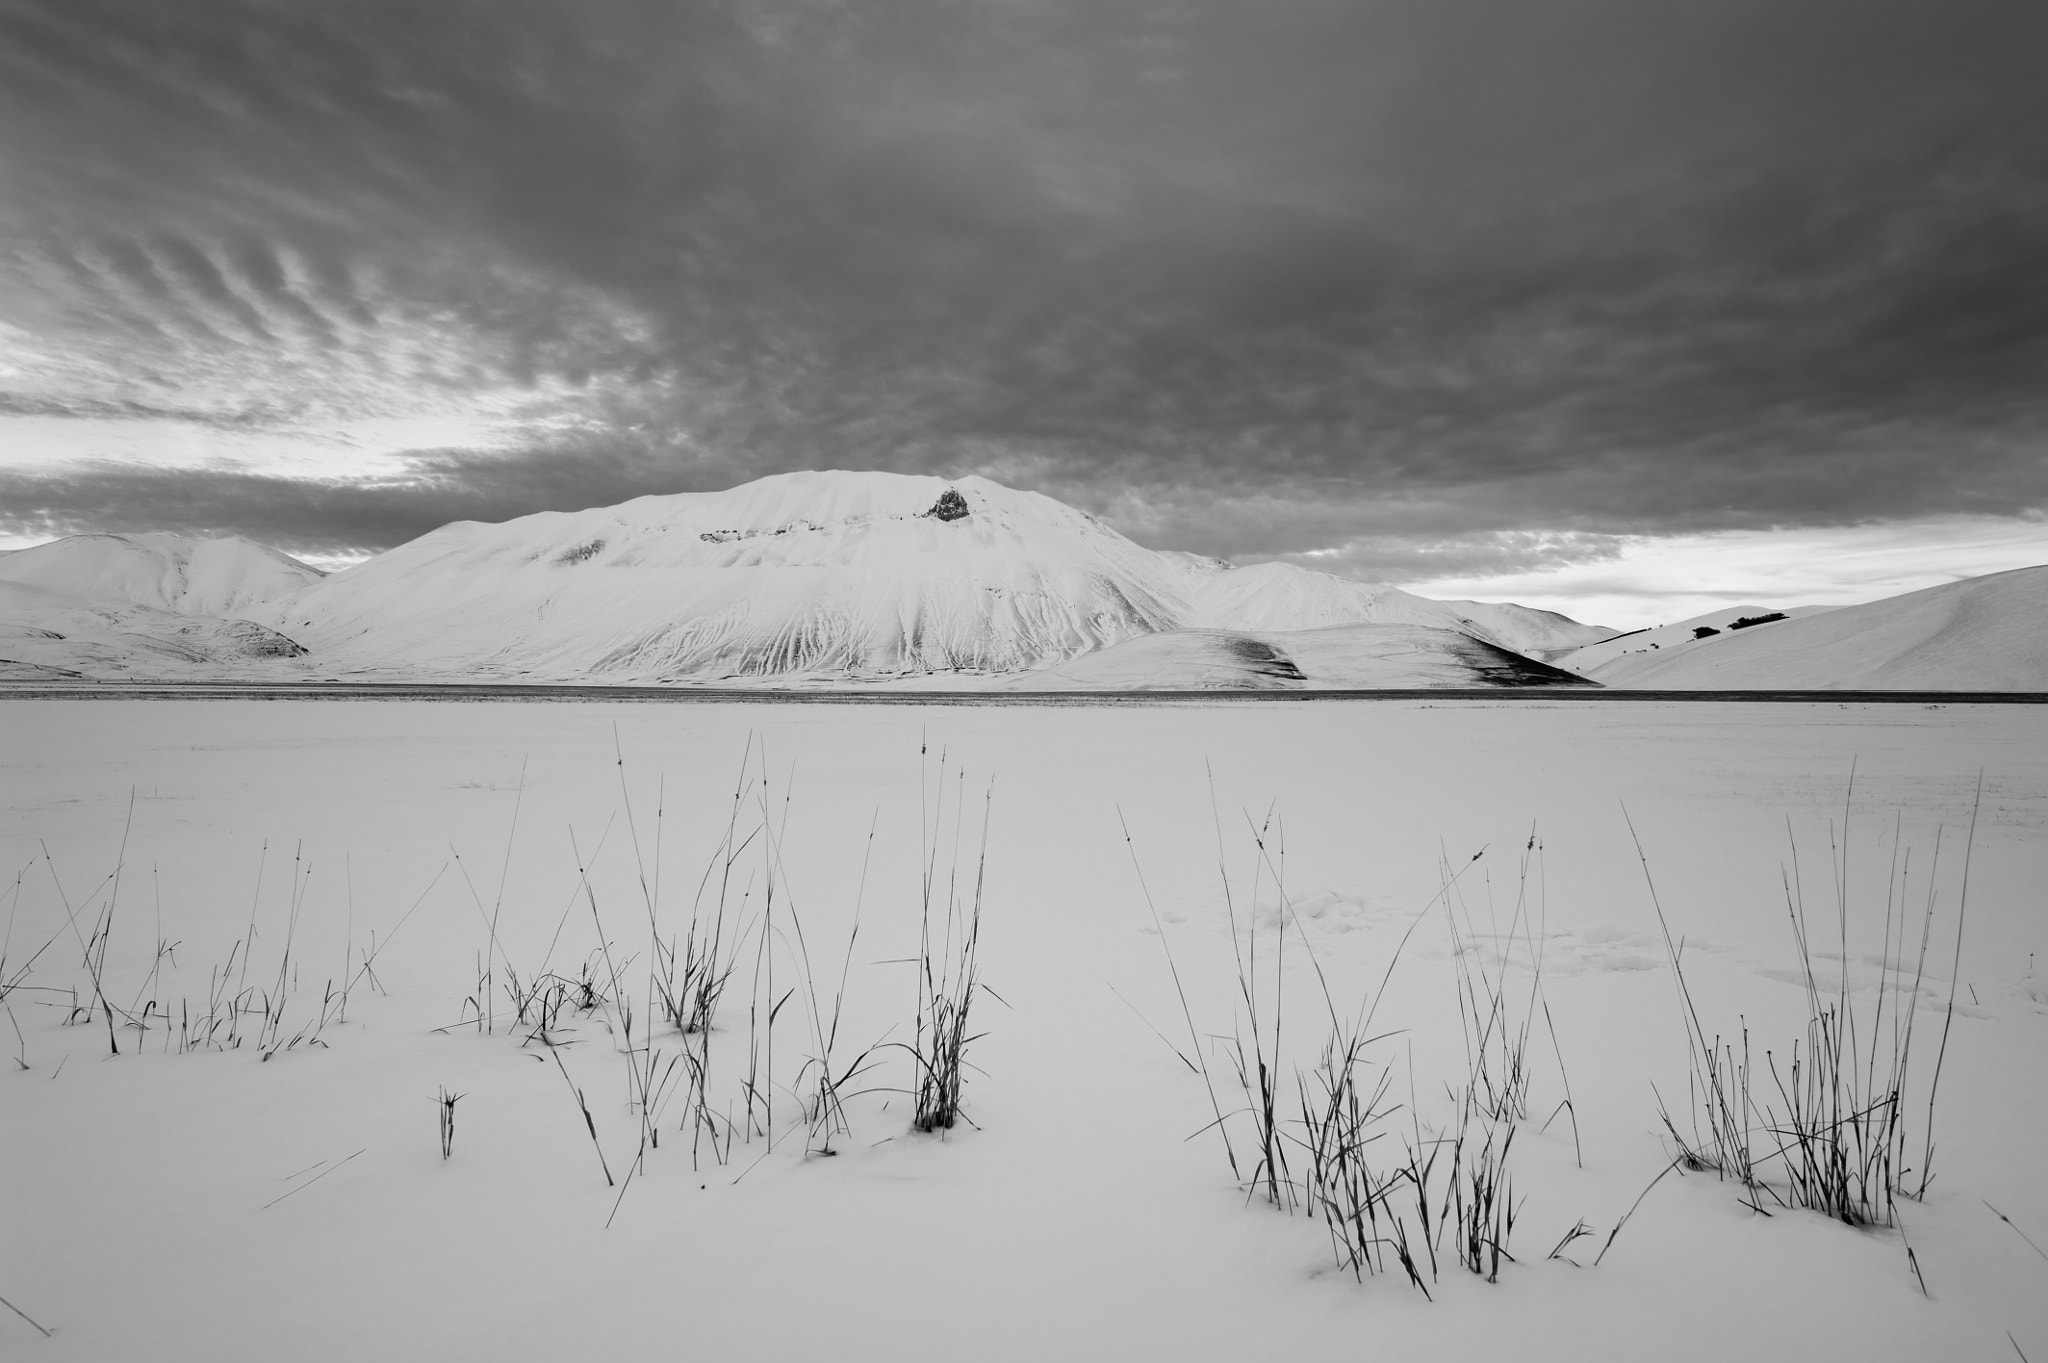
[(444, 1103)]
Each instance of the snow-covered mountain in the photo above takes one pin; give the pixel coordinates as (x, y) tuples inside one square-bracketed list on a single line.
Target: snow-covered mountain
[(834, 574), (228, 577), (823, 575), (1979, 634), (880, 577)]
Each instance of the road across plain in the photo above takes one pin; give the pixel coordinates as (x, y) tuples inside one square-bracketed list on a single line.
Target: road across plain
[(567, 692)]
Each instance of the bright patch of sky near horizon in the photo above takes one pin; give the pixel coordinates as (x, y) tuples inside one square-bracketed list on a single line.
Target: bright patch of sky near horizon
[(1661, 581), (1600, 305)]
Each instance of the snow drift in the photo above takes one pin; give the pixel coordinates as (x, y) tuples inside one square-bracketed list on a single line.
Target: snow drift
[(1979, 634)]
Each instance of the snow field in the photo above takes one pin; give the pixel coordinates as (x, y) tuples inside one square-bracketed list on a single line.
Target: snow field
[(1086, 1213)]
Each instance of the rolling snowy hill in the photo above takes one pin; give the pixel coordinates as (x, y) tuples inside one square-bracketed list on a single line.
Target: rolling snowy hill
[(1281, 596), (1979, 634), (1698, 632)]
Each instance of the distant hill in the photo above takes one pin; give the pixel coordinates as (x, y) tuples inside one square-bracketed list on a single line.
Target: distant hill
[(1281, 596), (46, 634), (150, 605), (226, 577), (1980, 634)]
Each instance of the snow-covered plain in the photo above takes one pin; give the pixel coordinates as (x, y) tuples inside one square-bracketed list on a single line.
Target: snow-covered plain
[(216, 1205)]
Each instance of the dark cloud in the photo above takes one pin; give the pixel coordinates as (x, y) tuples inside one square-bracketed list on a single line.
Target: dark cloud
[(315, 517), (300, 516), (1493, 282)]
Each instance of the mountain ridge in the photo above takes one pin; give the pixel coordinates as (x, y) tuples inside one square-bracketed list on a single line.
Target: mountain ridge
[(835, 577), (822, 574)]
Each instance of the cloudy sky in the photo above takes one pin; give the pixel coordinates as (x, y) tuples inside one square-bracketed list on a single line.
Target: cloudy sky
[(1624, 306)]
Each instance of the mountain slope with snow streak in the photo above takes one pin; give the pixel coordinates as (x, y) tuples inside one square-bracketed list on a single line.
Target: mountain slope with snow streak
[(1335, 657), (1979, 634)]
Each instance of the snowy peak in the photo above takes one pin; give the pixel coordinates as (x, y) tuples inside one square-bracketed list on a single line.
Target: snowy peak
[(823, 574), (791, 519), (226, 577)]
